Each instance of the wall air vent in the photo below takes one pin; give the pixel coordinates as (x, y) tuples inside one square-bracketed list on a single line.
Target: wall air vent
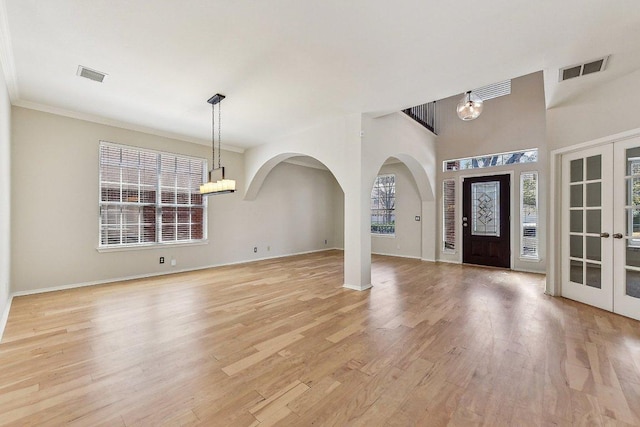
[(590, 67), (493, 90), (90, 74)]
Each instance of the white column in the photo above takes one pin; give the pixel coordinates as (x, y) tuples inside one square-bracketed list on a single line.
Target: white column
[(357, 239)]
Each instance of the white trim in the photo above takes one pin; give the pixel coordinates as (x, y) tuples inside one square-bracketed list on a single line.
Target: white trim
[(395, 255), (147, 275), (428, 259), (388, 236), (553, 286), (118, 124), (5, 316), (526, 270), (358, 288), (450, 261), (6, 57)]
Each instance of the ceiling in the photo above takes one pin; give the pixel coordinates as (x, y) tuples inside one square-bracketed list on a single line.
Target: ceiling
[(285, 65)]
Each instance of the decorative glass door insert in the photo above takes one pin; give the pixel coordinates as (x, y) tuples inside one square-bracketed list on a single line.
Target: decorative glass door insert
[(485, 210)]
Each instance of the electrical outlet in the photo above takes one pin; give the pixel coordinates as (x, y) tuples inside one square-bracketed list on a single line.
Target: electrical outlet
[(255, 249), (173, 262), (268, 248), (161, 260), (325, 241), (417, 217)]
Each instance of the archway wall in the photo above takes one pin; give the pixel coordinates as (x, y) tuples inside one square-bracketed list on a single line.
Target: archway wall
[(397, 135), (353, 148)]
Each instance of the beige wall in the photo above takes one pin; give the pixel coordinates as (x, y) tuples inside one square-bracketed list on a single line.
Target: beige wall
[(508, 123), (407, 241), (55, 208), (5, 199)]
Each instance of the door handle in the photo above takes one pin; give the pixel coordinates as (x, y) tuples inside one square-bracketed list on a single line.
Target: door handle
[(617, 236), (605, 235)]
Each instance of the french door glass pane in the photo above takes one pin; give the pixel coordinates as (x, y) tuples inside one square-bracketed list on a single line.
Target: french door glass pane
[(575, 221), (594, 220), (577, 173), (594, 167), (576, 196), (633, 283), (594, 275), (575, 271)]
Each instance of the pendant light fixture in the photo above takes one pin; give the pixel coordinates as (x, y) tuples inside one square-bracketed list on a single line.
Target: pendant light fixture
[(221, 185), (469, 107)]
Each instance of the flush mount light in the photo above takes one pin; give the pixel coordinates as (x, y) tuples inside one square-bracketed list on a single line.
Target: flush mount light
[(217, 183), (469, 107)]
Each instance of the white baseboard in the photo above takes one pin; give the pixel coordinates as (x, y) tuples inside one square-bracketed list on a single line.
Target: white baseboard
[(448, 261), (5, 316), (428, 259), (147, 275), (395, 255), (357, 288)]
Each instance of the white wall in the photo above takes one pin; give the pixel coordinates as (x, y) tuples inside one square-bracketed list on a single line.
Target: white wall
[(507, 123), (407, 241), (5, 199), (55, 226), (602, 111)]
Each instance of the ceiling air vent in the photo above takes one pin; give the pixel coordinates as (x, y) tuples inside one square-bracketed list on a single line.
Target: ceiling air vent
[(590, 67), (90, 74)]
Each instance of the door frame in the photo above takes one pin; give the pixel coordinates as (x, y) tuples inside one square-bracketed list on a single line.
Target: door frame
[(554, 227), (512, 240)]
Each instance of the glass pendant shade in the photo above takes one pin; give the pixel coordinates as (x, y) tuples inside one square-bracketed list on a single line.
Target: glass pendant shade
[(469, 107), (217, 183)]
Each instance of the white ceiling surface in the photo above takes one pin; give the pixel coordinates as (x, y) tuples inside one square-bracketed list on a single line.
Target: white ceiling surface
[(287, 64)]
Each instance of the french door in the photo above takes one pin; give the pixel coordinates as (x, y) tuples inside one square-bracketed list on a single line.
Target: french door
[(601, 227)]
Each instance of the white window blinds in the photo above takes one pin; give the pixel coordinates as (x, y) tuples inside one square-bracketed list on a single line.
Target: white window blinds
[(148, 197), (529, 215), (449, 215)]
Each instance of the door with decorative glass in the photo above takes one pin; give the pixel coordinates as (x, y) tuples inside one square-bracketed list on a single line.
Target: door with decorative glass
[(486, 238), (601, 227)]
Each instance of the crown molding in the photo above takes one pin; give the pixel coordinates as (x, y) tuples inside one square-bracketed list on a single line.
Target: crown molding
[(117, 123), (6, 55)]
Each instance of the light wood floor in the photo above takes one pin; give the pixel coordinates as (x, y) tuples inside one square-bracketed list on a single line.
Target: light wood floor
[(281, 342)]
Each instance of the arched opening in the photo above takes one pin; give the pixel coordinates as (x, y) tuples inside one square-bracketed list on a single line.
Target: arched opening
[(396, 212), (303, 206)]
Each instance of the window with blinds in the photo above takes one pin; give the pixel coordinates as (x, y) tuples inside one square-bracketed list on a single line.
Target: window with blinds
[(149, 197), (383, 204), (449, 215), (529, 215)]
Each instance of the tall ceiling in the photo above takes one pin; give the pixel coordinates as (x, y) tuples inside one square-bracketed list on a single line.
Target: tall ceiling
[(285, 65)]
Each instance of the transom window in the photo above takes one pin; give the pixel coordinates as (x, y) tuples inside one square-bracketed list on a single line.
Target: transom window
[(383, 204), (149, 197), (490, 160)]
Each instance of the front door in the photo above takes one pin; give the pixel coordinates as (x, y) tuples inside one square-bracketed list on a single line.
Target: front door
[(601, 227), (486, 220)]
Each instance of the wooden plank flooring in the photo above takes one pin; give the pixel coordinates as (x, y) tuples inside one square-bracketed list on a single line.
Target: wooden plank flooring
[(280, 342)]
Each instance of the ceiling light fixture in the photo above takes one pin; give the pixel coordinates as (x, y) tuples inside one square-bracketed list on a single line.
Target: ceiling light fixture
[(221, 184), (469, 107)]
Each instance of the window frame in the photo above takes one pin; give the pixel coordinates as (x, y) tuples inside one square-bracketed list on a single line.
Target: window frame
[(525, 256), (158, 204), (393, 210)]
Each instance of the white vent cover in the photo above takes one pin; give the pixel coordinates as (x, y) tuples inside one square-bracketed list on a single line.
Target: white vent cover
[(578, 70), (494, 90), (90, 74)]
